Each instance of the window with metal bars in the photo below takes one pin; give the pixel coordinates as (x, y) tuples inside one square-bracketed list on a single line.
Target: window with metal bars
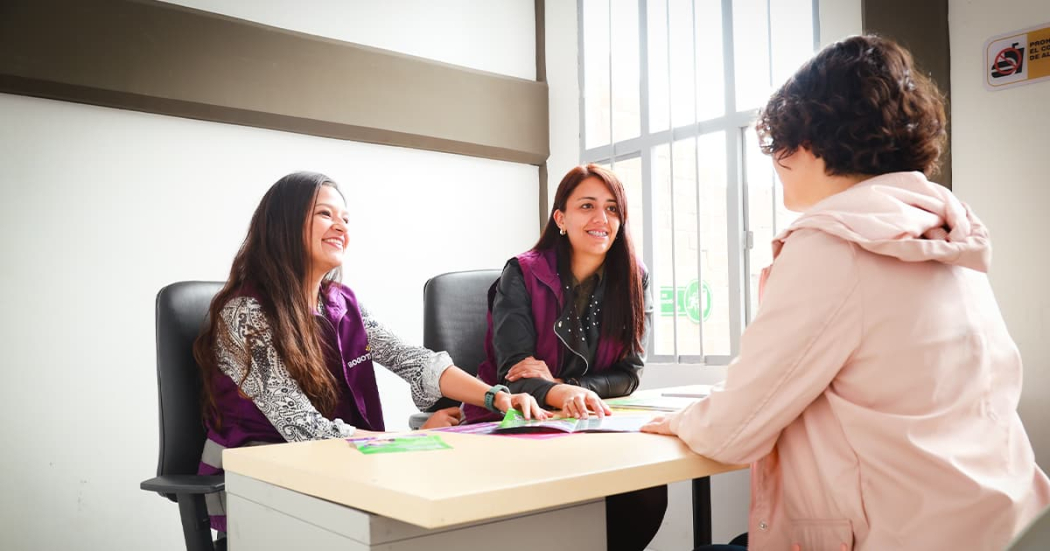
[(670, 90)]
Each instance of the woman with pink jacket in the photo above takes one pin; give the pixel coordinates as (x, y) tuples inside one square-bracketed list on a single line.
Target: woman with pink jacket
[(875, 394)]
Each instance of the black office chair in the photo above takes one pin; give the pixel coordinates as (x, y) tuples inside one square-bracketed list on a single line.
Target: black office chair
[(455, 309), (181, 309)]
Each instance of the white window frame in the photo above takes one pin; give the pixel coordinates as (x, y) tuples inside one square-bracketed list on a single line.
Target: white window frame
[(734, 125)]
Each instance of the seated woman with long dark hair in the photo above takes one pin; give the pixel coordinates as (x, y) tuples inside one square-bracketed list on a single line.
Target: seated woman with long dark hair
[(287, 350), (567, 322)]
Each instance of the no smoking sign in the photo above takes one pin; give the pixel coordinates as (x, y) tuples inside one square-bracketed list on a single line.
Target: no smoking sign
[(1017, 58)]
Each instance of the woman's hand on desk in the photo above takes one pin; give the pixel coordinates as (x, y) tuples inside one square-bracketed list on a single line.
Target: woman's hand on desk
[(523, 402), (659, 425), (531, 368), (574, 401), (448, 417)]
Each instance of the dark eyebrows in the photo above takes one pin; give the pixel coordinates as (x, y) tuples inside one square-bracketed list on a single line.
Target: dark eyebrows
[(610, 200)]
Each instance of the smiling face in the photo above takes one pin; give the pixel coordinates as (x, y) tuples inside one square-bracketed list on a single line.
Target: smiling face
[(591, 219), (325, 232)]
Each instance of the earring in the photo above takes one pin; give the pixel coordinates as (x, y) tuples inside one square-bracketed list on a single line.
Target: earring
[(561, 231)]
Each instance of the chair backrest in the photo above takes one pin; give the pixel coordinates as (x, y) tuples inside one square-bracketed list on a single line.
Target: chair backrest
[(181, 309), (1036, 537), (455, 309)]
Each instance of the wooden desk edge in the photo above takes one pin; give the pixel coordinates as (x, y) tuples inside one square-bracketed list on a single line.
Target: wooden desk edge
[(469, 507)]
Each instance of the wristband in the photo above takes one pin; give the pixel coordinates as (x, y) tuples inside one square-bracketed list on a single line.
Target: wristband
[(490, 397)]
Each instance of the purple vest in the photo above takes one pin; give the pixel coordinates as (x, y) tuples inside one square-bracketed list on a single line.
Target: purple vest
[(348, 358), (542, 282)]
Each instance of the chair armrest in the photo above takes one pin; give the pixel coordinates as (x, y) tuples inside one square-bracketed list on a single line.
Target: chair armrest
[(416, 420), (185, 484)]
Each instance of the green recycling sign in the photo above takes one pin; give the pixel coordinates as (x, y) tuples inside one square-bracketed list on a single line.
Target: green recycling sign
[(694, 301)]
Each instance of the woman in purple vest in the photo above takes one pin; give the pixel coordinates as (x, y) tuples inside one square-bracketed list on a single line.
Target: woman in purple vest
[(567, 320), (287, 352)]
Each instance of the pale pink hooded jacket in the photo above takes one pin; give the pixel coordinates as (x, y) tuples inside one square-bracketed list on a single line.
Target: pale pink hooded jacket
[(876, 390)]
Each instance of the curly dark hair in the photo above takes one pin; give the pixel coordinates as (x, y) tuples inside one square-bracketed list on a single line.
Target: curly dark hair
[(862, 107)]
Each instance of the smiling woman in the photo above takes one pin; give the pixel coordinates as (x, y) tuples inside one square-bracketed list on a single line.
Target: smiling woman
[(287, 350), (569, 316), (567, 323)]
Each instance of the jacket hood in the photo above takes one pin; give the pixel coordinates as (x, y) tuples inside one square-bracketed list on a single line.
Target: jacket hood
[(902, 215)]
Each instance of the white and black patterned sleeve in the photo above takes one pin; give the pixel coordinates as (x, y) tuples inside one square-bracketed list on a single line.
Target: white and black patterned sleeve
[(269, 384), (420, 367)]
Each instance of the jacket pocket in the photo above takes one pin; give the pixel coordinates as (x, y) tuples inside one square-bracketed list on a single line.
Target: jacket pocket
[(822, 535)]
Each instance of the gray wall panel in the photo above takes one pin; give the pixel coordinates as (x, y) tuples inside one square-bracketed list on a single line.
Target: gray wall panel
[(156, 57)]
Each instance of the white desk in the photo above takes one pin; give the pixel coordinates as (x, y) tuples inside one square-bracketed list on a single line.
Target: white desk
[(521, 493)]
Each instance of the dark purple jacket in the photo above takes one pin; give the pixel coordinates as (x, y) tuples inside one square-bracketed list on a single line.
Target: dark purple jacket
[(544, 288), (348, 359)]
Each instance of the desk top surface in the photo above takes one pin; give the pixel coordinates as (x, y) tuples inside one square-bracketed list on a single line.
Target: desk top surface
[(481, 477)]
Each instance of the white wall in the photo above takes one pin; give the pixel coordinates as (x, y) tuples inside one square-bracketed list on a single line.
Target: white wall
[(100, 207), (839, 19), (999, 152), (498, 36)]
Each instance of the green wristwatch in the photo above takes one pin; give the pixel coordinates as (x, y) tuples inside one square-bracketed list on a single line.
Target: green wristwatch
[(490, 397)]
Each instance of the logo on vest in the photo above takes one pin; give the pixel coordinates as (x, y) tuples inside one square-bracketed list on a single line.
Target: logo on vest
[(362, 358)]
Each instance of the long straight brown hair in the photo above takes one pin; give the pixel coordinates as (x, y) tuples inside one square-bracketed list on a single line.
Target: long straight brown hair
[(624, 309), (274, 261)]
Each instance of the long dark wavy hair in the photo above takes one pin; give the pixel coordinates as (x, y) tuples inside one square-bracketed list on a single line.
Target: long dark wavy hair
[(860, 105), (275, 262), (623, 317)]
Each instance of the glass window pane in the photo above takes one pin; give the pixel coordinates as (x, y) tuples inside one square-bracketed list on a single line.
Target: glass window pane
[(626, 105), (596, 73), (710, 68), (751, 52), (683, 91), (792, 33), (663, 284), (656, 25), (630, 173), (686, 298), (712, 293), (687, 251)]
